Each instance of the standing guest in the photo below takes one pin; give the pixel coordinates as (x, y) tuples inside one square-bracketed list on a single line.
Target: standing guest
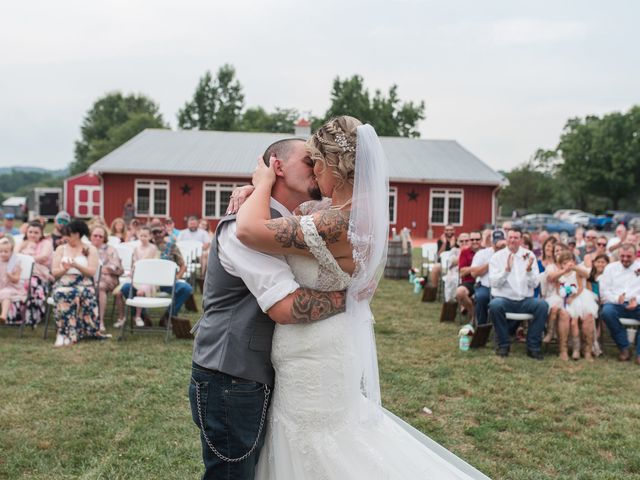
[(132, 230), (170, 228), (145, 250), (620, 292), (513, 273), (60, 220), (74, 294), (8, 228), (10, 270), (111, 267), (614, 242), (119, 229), (466, 290), (480, 271), (593, 284), (578, 304), (40, 248), (128, 211)]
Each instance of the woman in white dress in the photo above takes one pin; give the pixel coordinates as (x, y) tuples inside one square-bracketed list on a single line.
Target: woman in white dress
[(325, 420)]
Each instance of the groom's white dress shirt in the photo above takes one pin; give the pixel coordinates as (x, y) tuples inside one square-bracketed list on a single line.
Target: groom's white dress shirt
[(617, 280), (517, 284), (268, 277)]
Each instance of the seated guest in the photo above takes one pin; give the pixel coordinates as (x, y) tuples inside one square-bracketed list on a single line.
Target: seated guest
[(62, 218), (170, 228), (10, 270), (132, 230), (600, 249), (446, 242), (616, 241), (513, 273), (620, 293), (486, 238), (193, 232), (465, 291), (449, 262), (119, 229), (593, 284), (204, 259), (589, 246), (8, 228), (168, 251), (546, 289), (145, 250), (111, 267), (40, 248), (75, 296), (480, 271), (540, 240)]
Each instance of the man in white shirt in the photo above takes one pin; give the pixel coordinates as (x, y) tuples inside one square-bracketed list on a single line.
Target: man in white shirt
[(194, 233), (616, 241), (620, 293), (513, 274), (480, 271)]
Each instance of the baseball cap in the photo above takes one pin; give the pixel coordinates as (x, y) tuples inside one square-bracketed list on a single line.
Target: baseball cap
[(62, 217), (9, 216), (497, 235), (156, 225)]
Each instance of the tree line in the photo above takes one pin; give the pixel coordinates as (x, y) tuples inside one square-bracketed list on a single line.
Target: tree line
[(594, 167), (20, 182), (218, 104)]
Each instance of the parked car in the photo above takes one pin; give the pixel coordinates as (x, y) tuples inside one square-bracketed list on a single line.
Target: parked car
[(602, 222), (543, 221), (566, 213), (624, 218), (580, 219)]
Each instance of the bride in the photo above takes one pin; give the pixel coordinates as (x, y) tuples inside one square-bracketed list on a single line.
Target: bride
[(326, 420)]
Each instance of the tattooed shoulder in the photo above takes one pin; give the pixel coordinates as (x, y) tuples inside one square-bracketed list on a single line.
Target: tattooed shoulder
[(287, 232)]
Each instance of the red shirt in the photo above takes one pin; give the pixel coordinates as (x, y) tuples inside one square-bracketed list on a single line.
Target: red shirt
[(466, 257)]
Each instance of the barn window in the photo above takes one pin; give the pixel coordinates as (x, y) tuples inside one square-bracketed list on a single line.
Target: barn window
[(152, 198), (393, 204), (445, 207), (215, 198)]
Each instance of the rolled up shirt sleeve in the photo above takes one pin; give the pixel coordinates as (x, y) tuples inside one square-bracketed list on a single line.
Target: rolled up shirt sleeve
[(268, 277)]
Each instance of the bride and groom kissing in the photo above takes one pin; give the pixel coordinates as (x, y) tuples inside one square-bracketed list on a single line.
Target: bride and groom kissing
[(284, 381)]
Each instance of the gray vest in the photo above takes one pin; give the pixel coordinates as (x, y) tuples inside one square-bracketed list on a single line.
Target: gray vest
[(233, 335)]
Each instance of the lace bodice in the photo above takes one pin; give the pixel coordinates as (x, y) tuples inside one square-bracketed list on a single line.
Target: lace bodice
[(322, 273)]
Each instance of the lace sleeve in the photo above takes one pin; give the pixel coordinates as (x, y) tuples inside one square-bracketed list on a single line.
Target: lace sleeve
[(318, 247)]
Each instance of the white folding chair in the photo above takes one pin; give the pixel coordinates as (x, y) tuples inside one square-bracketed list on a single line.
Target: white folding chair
[(191, 251), (114, 241), (125, 252), (158, 273), (18, 239), (429, 256), (26, 271), (633, 327)]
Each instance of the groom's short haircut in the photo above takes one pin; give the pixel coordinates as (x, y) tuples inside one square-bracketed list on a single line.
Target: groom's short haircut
[(281, 149)]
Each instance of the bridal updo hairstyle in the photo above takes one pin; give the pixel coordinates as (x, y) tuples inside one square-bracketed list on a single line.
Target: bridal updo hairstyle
[(334, 145)]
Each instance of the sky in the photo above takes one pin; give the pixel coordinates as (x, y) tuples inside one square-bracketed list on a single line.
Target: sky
[(500, 77)]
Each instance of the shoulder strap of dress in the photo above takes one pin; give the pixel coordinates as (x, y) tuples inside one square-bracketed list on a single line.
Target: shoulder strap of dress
[(318, 247)]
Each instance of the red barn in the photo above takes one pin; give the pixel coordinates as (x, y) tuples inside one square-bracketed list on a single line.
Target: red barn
[(83, 195), (187, 172)]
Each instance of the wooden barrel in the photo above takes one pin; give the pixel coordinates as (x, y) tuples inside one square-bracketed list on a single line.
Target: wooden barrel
[(398, 263)]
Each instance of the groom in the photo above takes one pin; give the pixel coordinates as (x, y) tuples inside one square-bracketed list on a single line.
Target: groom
[(244, 293)]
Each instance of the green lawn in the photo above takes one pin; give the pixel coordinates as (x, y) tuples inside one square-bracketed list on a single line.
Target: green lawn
[(119, 410)]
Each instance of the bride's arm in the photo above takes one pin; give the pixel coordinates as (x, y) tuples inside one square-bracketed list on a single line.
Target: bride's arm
[(306, 305)]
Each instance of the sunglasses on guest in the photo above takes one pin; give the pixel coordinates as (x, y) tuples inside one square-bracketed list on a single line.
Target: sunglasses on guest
[(602, 244)]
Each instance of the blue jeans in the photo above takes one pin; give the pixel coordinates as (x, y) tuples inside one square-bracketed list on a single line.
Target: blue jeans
[(611, 314), (482, 298), (182, 293), (498, 308), (231, 409)]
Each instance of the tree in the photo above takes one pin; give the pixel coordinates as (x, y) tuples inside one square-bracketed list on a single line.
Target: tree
[(216, 104), (111, 121), (388, 115), (529, 190), (258, 120), (598, 157)]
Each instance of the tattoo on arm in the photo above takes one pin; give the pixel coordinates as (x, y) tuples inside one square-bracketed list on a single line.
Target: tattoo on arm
[(332, 224), (288, 232), (311, 305)]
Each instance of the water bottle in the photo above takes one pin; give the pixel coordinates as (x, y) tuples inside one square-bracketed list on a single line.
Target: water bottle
[(465, 341)]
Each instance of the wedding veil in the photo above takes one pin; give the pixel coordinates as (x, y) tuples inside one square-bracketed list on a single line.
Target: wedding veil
[(368, 234)]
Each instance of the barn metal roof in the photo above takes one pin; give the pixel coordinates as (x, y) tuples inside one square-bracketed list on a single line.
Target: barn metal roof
[(233, 154)]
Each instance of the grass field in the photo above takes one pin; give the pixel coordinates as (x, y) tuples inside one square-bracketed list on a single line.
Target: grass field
[(119, 410)]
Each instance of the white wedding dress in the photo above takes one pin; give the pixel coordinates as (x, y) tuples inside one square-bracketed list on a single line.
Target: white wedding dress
[(320, 426)]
